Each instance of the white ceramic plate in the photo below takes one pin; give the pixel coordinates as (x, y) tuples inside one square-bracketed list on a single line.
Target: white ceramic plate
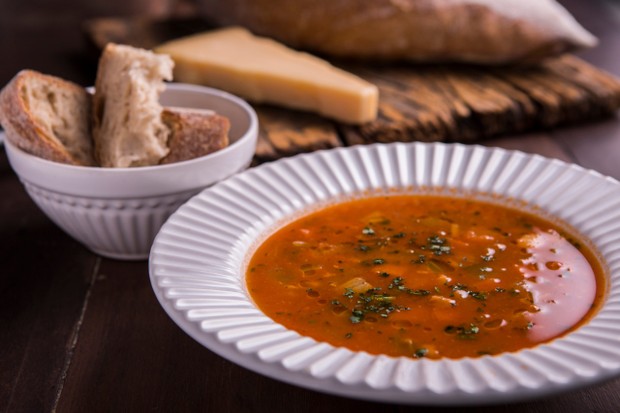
[(198, 261)]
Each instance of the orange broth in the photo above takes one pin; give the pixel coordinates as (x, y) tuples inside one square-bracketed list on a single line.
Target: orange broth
[(425, 276)]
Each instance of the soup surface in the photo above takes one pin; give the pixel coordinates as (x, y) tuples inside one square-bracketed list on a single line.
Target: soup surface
[(425, 276)]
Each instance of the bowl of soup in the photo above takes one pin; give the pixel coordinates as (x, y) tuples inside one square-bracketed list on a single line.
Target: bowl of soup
[(414, 273)]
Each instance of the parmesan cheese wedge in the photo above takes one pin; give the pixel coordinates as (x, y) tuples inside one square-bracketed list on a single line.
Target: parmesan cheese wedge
[(263, 70)]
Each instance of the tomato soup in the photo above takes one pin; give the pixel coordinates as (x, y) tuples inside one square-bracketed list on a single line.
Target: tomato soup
[(425, 276)]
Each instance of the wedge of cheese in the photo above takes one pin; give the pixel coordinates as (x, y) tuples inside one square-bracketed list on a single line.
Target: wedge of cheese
[(263, 70)]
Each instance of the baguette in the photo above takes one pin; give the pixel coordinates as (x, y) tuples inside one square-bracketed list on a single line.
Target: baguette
[(475, 31), (48, 117), (194, 133), (127, 126)]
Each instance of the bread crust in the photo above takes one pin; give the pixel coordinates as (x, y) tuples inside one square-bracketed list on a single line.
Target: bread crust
[(127, 126), (25, 132), (477, 31), (194, 133), (190, 133)]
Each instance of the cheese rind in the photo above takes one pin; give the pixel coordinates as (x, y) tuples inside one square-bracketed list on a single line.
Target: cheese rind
[(263, 70)]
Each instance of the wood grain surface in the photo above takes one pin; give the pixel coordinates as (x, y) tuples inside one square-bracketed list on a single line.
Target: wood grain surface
[(80, 333)]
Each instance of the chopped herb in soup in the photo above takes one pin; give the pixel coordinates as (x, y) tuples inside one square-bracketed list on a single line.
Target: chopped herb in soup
[(425, 276)]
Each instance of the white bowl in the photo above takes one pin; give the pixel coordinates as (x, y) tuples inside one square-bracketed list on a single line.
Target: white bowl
[(199, 258), (116, 212)]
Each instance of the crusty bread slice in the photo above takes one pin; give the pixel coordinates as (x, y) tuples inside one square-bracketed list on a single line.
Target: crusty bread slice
[(127, 126), (48, 117), (194, 133)]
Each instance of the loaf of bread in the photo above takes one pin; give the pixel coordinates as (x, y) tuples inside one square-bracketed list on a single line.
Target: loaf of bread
[(127, 126), (477, 31), (48, 117), (194, 133)]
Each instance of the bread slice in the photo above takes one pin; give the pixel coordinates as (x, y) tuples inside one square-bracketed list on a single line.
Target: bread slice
[(48, 117), (127, 126), (194, 133)]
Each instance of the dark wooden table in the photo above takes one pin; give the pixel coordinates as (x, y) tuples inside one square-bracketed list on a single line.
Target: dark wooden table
[(80, 333)]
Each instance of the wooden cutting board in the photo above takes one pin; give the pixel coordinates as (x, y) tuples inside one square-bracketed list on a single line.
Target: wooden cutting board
[(449, 103)]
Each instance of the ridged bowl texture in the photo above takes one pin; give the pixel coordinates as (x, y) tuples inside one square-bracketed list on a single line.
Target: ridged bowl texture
[(198, 261), (116, 212)]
